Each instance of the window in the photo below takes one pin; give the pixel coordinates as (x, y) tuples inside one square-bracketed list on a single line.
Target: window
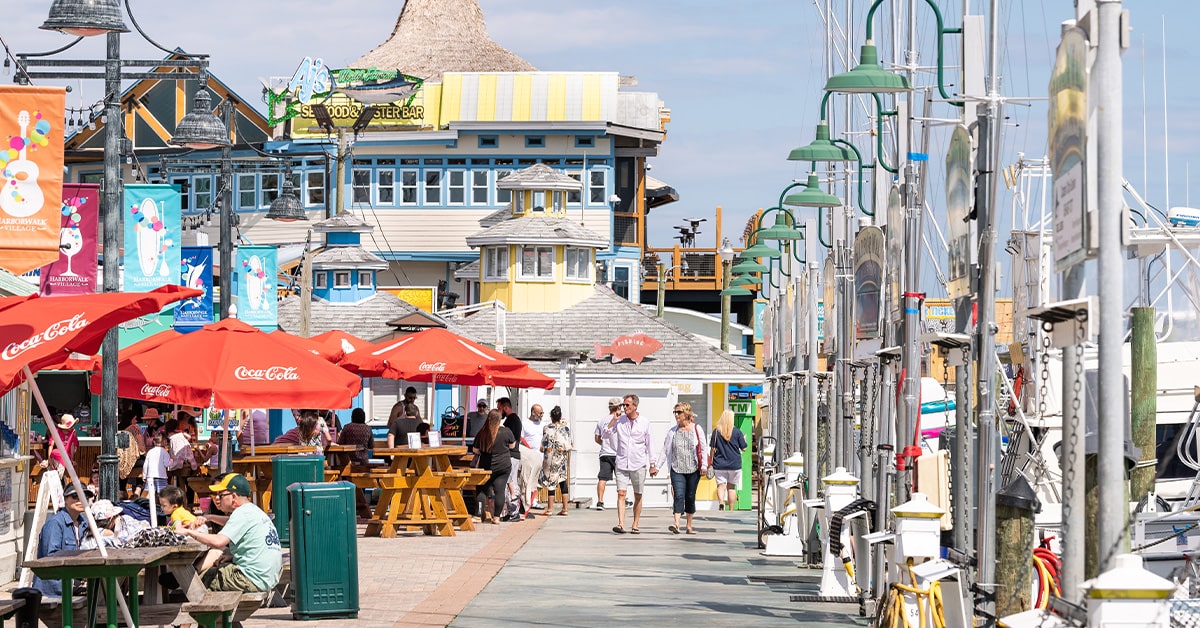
[(314, 187), (578, 263), (360, 181), (320, 280), (408, 187), (597, 183), (433, 187), (539, 202), (503, 197), (535, 141), (202, 187), (574, 195), (537, 262), (386, 186), (364, 279), (270, 189), (183, 183), (489, 141), (558, 202), (585, 142), (620, 283), (479, 187), (247, 191), (341, 279), (495, 263), (456, 187)]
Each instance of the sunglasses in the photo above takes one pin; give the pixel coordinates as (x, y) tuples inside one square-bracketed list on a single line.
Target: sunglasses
[(224, 494), (627, 405), (678, 411)]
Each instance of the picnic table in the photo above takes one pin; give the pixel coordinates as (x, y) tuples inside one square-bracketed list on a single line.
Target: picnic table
[(420, 489), (100, 571)]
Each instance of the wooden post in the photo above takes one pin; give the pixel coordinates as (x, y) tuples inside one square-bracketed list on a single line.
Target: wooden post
[(1015, 505), (1143, 402), (1091, 555)]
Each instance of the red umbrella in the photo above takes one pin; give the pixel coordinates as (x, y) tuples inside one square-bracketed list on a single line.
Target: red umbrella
[(343, 342), (42, 331), (233, 365), (327, 353), (437, 355)]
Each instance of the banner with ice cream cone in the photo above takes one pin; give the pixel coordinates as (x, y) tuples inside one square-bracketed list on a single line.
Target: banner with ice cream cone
[(31, 175), (257, 303), (152, 221)]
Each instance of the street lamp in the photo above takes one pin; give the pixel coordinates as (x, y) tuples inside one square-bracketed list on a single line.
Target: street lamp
[(726, 252), (85, 18)]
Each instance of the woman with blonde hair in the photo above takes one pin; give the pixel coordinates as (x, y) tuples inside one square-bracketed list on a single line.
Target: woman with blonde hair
[(725, 458), (686, 456)]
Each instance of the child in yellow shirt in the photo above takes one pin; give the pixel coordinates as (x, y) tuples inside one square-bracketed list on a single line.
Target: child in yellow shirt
[(172, 503)]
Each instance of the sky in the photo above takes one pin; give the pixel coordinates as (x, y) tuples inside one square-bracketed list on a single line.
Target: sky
[(742, 80)]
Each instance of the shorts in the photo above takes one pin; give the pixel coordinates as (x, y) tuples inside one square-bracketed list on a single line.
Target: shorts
[(732, 477), (227, 577), (608, 465), (635, 478)]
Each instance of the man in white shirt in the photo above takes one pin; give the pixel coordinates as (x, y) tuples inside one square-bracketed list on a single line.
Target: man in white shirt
[(531, 457), (634, 455), (608, 450)]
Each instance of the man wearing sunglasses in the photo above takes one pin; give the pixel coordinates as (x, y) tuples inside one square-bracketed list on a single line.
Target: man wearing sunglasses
[(248, 556), (634, 455)]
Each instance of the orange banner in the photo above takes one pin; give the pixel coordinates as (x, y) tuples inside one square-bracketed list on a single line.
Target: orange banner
[(31, 174)]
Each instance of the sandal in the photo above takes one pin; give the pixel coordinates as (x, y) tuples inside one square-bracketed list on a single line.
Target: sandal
[(562, 513), (691, 531), (618, 529), (673, 528), (635, 531)]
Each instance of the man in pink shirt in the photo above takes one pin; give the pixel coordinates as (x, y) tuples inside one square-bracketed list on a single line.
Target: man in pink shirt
[(634, 455)]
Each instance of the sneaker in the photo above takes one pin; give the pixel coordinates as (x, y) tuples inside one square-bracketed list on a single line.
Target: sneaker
[(510, 518), (599, 505)]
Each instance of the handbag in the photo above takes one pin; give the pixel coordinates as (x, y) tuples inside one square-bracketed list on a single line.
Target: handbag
[(699, 449), (127, 454)]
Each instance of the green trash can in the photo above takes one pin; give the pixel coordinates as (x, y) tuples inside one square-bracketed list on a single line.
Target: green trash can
[(324, 556), (286, 471)]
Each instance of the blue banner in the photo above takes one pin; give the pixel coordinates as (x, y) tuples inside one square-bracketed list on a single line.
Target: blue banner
[(195, 271), (152, 235), (257, 300)]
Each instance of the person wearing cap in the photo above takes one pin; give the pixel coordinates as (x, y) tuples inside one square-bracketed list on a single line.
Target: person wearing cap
[(250, 557), (476, 420), (62, 531), (608, 450)]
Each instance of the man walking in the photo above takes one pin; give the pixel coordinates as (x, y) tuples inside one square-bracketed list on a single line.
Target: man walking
[(531, 458), (634, 455), (513, 423), (608, 450)]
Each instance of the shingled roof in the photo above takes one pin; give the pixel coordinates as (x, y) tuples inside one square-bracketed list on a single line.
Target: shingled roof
[(599, 319), (436, 36), (367, 319), (537, 230)]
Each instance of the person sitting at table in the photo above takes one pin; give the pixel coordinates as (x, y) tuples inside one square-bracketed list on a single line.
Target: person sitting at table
[(247, 556), (154, 423), (172, 503), (305, 434), (116, 528), (180, 446), (256, 431), (410, 423), (62, 531), (358, 434)]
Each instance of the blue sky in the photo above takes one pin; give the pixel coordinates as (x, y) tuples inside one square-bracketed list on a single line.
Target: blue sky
[(743, 80)]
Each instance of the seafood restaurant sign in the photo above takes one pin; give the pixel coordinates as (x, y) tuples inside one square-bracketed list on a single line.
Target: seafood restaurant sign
[(31, 166)]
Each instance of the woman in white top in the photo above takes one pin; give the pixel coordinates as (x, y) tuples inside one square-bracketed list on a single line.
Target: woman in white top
[(154, 469), (685, 453)]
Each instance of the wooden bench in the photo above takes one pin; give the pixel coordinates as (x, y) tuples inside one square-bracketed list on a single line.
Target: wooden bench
[(215, 609), (248, 603), (8, 607)]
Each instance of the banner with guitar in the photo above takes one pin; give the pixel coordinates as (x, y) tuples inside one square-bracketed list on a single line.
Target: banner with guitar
[(256, 278), (152, 234), (79, 229), (195, 271), (31, 175)]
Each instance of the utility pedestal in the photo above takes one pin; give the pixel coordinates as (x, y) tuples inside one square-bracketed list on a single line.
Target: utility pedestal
[(1128, 595), (841, 488)]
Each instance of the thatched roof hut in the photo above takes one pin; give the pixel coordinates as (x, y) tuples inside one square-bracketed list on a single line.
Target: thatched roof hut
[(436, 36)]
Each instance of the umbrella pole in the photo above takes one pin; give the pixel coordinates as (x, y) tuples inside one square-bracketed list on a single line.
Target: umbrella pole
[(70, 464), (226, 463), (153, 504)]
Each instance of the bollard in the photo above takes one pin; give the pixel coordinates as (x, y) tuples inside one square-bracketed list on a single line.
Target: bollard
[(841, 488), (1128, 595), (1015, 505)]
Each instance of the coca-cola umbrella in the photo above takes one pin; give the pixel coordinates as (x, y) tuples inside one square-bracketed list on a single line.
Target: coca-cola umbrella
[(321, 350), (437, 355), (343, 342), (231, 364)]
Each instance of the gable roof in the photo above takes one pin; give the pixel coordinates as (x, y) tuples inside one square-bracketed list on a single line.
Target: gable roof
[(367, 319), (597, 320)]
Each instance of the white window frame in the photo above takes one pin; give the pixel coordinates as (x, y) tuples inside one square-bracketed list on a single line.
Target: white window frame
[(314, 187), (341, 279), (543, 258), (577, 258), (410, 186), (480, 184), (503, 197), (364, 279), (432, 194), (321, 280), (247, 184), (360, 191), (597, 185), (575, 197), (538, 204), (203, 197), (460, 187), (269, 192), (385, 185), (495, 263)]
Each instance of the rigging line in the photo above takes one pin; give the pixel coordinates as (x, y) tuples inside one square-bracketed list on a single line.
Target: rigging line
[(349, 155)]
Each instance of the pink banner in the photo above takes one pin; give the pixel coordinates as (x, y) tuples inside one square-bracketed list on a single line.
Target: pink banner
[(75, 270)]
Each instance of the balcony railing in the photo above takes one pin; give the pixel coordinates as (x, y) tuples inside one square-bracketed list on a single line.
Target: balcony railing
[(684, 269)]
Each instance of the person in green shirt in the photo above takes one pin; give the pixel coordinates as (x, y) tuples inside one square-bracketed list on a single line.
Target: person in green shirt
[(247, 554)]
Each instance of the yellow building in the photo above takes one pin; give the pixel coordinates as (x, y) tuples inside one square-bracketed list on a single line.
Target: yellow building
[(535, 258)]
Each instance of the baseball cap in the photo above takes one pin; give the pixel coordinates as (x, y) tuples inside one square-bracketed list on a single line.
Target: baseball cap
[(70, 491), (481, 403), (234, 483), (614, 402)]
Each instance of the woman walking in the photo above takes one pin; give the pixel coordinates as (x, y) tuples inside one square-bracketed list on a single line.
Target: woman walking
[(685, 452), (728, 443), (556, 447), (492, 445)]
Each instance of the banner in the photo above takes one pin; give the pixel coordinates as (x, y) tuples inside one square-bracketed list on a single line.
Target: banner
[(869, 252), (79, 230), (151, 236), (195, 271), (257, 301), (31, 175)]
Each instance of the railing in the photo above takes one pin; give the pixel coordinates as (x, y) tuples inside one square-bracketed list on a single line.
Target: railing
[(685, 269), (626, 228)]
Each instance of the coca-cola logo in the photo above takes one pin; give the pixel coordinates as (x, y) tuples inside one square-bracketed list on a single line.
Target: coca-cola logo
[(55, 330), (156, 390), (432, 367), (269, 374)]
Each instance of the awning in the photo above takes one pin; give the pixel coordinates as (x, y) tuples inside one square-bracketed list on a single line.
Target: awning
[(659, 193)]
